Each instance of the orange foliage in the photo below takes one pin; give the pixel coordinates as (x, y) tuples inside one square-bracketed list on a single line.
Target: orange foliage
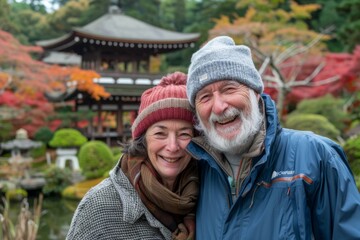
[(31, 78), (85, 82), (268, 27), (4, 80)]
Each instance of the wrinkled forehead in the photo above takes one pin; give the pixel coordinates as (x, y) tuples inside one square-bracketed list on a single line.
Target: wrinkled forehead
[(215, 86)]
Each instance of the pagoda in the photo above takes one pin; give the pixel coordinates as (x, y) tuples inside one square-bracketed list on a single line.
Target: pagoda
[(121, 49)]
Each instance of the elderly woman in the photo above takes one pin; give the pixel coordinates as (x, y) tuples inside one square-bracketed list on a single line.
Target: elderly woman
[(151, 193)]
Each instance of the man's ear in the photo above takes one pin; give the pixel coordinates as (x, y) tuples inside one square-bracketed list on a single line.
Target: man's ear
[(258, 96)]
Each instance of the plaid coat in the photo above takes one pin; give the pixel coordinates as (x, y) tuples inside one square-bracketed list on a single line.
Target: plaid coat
[(113, 210)]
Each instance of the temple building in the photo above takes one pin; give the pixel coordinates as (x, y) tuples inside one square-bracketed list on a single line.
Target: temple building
[(125, 52)]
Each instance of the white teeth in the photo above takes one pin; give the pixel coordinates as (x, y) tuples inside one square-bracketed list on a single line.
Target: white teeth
[(170, 160), (226, 120)]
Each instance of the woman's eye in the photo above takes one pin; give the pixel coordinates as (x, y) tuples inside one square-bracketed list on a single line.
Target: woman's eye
[(159, 134), (186, 135)]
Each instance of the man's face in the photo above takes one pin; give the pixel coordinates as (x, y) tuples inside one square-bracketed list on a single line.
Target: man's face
[(228, 114)]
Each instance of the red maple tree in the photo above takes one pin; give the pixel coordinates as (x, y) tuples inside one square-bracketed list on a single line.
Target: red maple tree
[(24, 80)]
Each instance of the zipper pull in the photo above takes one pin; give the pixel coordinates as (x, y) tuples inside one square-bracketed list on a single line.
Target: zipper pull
[(232, 185)]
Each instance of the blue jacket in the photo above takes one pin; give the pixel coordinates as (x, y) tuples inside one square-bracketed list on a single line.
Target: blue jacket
[(300, 187)]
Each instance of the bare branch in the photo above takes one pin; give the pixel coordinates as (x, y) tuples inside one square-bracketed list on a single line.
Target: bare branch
[(325, 81), (307, 80), (295, 49), (264, 65)]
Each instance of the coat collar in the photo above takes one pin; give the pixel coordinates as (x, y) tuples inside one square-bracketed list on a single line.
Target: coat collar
[(133, 208)]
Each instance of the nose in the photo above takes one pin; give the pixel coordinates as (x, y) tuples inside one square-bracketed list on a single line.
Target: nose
[(172, 144), (219, 104)]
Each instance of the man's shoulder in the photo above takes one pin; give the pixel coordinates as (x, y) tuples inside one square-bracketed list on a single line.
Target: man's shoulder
[(305, 137)]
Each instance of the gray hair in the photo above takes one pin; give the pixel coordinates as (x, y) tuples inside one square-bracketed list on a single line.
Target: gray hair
[(136, 147)]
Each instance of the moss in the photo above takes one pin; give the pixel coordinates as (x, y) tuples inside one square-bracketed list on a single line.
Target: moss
[(78, 190)]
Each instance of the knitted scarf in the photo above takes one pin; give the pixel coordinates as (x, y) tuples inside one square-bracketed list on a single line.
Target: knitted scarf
[(176, 210)]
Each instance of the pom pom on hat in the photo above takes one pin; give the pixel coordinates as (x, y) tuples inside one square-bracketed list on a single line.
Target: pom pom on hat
[(167, 100), (220, 59)]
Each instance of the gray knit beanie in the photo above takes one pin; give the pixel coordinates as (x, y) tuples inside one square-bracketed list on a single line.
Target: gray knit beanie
[(220, 59)]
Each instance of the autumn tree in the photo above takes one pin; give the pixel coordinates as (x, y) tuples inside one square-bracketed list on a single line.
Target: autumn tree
[(287, 53), (24, 80)]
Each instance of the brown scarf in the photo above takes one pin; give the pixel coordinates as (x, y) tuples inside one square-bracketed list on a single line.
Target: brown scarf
[(173, 209)]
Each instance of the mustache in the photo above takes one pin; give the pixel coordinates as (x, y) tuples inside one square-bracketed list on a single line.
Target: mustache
[(228, 114)]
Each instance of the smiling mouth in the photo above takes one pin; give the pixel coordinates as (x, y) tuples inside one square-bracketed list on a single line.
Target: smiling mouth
[(171, 160), (226, 120)]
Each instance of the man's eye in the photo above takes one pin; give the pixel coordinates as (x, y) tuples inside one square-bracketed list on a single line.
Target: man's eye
[(229, 89), (203, 98)]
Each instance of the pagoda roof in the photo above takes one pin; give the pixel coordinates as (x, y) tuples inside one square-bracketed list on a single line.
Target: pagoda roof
[(121, 30)]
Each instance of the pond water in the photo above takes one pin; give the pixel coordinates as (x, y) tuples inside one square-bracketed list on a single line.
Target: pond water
[(55, 219)]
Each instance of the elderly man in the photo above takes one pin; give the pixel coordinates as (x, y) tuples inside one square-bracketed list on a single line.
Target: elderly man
[(259, 180)]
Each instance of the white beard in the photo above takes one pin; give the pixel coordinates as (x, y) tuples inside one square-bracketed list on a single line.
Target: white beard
[(250, 126)]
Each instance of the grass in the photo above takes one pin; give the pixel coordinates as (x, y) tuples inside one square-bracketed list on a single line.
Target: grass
[(27, 223)]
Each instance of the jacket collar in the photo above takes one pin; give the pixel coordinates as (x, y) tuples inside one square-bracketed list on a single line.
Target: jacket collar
[(133, 208)]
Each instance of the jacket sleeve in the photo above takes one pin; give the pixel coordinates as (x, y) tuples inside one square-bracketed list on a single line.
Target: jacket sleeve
[(336, 201)]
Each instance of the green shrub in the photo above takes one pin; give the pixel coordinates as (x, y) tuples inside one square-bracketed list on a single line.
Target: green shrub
[(67, 137), (312, 122), (17, 194), (327, 106), (352, 149), (116, 150), (95, 158), (116, 158), (5, 130), (38, 152), (43, 134), (57, 180)]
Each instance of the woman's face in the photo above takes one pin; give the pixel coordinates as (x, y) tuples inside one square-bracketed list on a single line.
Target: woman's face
[(166, 142)]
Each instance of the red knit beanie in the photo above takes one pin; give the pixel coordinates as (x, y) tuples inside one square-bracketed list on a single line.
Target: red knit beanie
[(165, 101)]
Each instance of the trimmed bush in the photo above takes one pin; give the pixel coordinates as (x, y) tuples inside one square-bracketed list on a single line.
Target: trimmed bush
[(95, 158), (352, 149), (327, 106), (44, 134), (67, 137), (312, 122)]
